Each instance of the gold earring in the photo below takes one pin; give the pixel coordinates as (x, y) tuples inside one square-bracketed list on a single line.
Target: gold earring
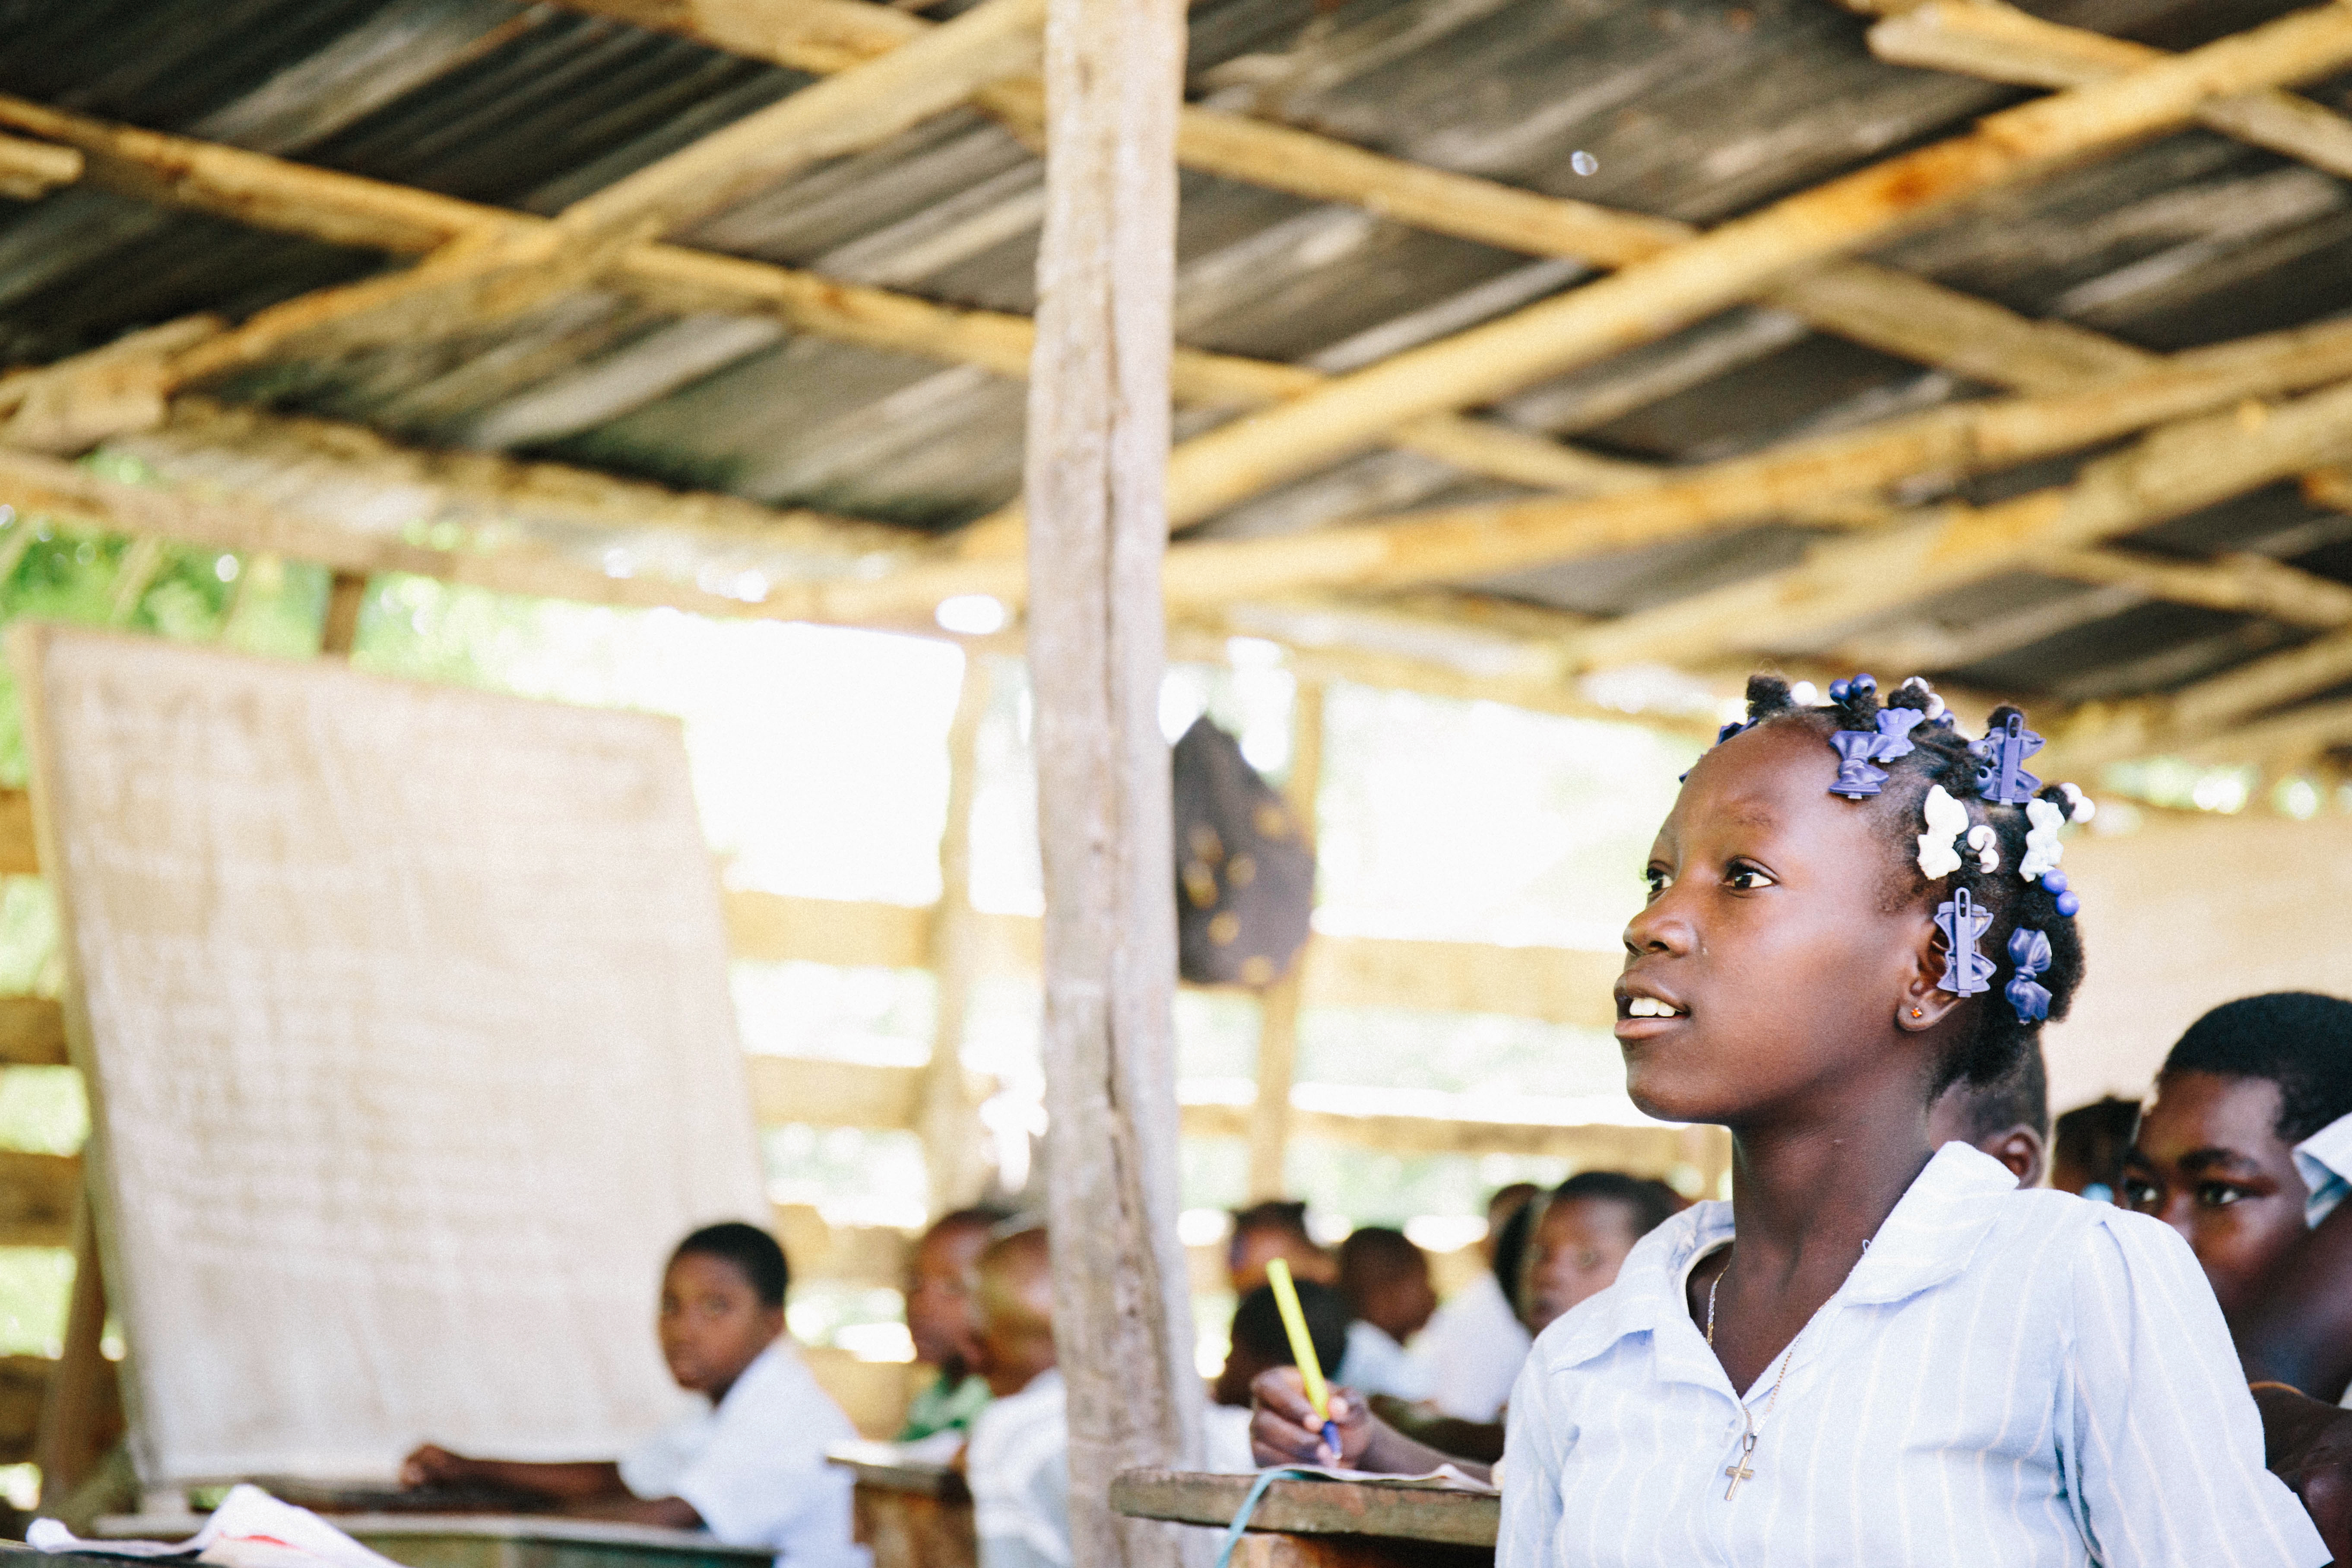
[(1916, 1014)]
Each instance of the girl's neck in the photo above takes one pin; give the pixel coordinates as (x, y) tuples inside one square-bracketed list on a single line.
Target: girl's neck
[(1807, 1196)]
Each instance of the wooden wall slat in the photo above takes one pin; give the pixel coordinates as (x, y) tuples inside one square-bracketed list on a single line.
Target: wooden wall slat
[(37, 1195), (32, 1032), (16, 856)]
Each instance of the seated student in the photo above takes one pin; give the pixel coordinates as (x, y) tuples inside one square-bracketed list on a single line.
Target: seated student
[(1259, 1340), (939, 1320), (1018, 1462), (1574, 1241), (2087, 1154), (751, 1468), (1476, 1343), (1581, 1239), (1385, 1279), (2215, 1158), (1878, 1351), (1274, 1228), (2008, 1118)]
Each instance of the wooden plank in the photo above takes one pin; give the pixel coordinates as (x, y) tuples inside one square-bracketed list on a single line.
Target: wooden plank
[(32, 1032), (1094, 473), (1278, 1003), (346, 593), (31, 170), (954, 1162), (81, 1413), (38, 1197), (18, 857), (1558, 984), (1315, 1506), (775, 928), (787, 1089), (1645, 1151), (25, 1382), (2000, 43), (1652, 298)]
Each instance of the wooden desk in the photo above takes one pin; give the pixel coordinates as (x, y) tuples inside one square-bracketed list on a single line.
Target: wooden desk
[(488, 1540), (911, 1515), (1325, 1524)]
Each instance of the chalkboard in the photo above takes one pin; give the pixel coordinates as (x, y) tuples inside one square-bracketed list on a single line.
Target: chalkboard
[(404, 1014)]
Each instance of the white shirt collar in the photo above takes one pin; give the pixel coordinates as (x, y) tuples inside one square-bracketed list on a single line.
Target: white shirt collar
[(2324, 1160), (1928, 1238)]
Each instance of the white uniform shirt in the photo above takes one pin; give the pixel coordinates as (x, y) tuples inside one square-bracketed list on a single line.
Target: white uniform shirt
[(1474, 1347), (2006, 1378), (1375, 1364), (753, 1467), (1019, 1470), (2324, 1161)]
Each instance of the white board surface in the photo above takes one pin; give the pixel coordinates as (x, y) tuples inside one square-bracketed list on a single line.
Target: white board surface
[(407, 1014)]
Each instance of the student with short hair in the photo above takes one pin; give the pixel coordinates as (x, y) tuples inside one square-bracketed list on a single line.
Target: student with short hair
[(939, 1320), (1259, 1341), (1582, 1238), (2008, 1118), (2215, 1158), (1878, 1351), (2087, 1145), (1018, 1462), (750, 1468), (1385, 1279), (1274, 1228)]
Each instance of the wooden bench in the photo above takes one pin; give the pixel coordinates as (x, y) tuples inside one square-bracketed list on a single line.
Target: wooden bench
[(1325, 1524), (484, 1541), (910, 1514)]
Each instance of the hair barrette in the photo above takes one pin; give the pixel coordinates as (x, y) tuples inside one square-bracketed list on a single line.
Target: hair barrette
[(2043, 850), (2001, 762), (1947, 820), (2029, 954), (1967, 971), (1859, 750)]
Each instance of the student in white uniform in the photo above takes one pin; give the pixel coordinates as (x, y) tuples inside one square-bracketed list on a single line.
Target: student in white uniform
[(750, 1468), (1476, 1343), (1018, 1463), (1385, 1278), (1877, 1352)]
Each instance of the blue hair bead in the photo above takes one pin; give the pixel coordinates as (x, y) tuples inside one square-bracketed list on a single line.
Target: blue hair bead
[(1838, 690), (2069, 905), (2054, 881), (1864, 683)]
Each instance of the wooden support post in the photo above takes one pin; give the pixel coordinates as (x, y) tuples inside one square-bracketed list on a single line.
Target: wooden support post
[(346, 592), (1277, 1029), (949, 1120), (1096, 473), (79, 1411)]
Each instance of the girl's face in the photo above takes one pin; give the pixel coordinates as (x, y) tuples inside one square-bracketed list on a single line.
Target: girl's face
[(1764, 936)]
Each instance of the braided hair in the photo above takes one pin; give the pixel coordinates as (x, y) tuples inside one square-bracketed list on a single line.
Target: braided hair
[(1940, 755)]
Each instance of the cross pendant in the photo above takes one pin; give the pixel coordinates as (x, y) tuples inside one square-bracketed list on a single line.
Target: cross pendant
[(1738, 1472)]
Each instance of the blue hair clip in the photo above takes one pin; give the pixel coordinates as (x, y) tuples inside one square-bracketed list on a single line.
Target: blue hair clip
[(1967, 971), (2029, 953), (1859, 750), (2001, 763)]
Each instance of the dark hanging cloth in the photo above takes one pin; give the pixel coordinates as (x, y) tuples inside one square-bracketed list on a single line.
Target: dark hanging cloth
[(1244, 871)]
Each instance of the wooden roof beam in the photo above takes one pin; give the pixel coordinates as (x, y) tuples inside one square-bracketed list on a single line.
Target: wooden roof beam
[(1738, 259), (2172, 471), (1874, 305), (349, 209), (1997, 42), (31, 170)]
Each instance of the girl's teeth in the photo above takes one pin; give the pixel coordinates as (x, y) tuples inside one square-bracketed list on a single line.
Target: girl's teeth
[(1649, 1007)]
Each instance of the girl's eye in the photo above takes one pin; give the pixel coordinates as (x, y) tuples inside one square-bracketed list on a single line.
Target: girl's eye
[(2140, 1196), (2217, 1195), (1749, 878), (1659, 880)]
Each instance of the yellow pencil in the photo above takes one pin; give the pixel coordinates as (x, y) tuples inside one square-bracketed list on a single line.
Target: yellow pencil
[(1302, 1348)]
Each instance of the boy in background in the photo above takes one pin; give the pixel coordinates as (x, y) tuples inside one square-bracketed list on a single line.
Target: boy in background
[(1272, 1229), (2008, 1118), (1385, 1279), (939, 1320), (1018, 1463), (750, 1468), (1259, 1341)]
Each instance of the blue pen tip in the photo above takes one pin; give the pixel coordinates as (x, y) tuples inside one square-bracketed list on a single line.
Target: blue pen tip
[(1331, 1435)]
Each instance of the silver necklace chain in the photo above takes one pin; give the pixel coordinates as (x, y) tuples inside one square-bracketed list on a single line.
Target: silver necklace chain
[(1739, 1469)]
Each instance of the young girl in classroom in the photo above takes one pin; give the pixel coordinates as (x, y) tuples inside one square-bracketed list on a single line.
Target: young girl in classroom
[(1877, 1352)]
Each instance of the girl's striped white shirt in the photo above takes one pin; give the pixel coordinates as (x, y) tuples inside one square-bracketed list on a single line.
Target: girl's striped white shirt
[(2006, 1378)]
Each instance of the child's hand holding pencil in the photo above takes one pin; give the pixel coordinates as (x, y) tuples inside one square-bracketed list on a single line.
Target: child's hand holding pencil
[(1285, 1430), (1323, 1407)]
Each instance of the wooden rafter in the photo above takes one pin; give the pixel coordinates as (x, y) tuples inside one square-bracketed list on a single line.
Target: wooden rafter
[(1873, 305), (30, 170), (1997, 42), (1652, 297), (349, 210), (2173, 472)]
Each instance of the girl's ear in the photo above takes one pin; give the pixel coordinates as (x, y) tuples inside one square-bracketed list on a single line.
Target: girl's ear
[(1923, 1002)]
